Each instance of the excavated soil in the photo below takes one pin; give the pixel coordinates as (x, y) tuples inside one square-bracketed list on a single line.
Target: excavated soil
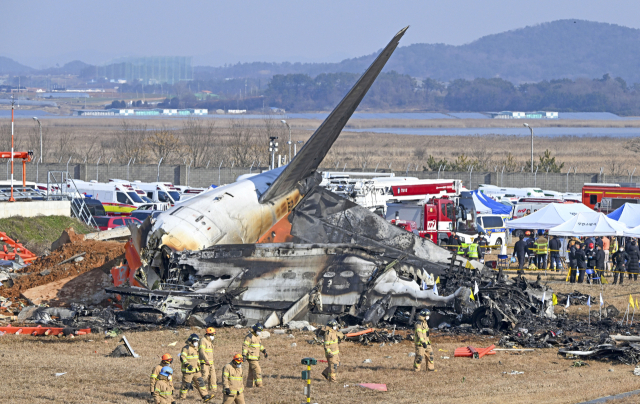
[(97, 254)]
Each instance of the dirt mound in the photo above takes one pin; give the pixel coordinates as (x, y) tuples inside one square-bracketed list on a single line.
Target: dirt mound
[(98, 254)]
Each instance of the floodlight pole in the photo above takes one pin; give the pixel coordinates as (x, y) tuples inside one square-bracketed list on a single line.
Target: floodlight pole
[(289, 142), (531, 130), (35, 118)]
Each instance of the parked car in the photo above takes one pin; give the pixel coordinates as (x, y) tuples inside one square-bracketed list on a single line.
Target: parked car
[(111, 222), (143, 214), (94, 205)]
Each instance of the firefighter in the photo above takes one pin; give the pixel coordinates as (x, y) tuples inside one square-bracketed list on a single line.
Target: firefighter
[(166, 360), (163, 389), (619, 259), (191, 369), (423, 344), (232, 381), (205, 354), (251, 348), (542, 248), (332, 350)]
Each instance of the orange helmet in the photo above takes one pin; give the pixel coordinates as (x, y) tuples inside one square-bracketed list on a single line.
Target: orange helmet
[(238, 358), (167, 358), (211, 331)]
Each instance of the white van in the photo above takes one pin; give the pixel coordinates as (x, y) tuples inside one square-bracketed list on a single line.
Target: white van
[(117, 198), (159, 191)]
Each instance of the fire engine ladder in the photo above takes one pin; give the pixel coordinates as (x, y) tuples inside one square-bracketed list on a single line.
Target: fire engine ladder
[(67, 189)]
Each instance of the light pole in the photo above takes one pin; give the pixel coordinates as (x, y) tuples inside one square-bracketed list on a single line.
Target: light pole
[(273, 148), (40, 126), (531, 130), (289, 142), (295, 147)]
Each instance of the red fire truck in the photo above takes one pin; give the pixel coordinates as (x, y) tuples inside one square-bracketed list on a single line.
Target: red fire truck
[(434, 220), (608, 197)]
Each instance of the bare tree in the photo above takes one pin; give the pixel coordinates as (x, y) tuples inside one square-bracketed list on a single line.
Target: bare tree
[(202, 141), (5, 138), (163, 143), (129, 142), (243, 145)]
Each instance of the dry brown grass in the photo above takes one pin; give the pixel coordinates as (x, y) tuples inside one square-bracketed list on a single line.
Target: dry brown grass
[(29, 365), (588, 154)]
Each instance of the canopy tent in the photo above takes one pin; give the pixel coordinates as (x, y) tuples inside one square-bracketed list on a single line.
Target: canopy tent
[(635, 232), (497, 208), (480, 207), (628, 214), (552, 215), (589, 224)]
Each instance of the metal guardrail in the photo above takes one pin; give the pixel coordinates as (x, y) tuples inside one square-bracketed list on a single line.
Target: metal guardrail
[(58, 186)]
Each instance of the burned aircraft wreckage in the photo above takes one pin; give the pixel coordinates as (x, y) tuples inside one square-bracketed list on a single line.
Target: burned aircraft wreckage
[(276, 247)]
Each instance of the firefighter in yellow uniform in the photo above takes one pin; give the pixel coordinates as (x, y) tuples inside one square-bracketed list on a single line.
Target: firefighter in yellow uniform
[(166, 360), (205, 352), (251, 348), (191, 374), (331, 350), (163, 389), (232, 381), (423, 344)]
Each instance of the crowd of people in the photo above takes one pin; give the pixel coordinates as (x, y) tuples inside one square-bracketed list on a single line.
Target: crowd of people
[(587, 257)]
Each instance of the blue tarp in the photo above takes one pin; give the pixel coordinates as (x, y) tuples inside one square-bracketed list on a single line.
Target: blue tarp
[(497, 208), (629, 214)]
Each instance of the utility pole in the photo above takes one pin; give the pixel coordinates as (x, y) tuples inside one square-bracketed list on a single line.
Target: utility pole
[(40, 126), (531, 130), (289, 142), (11, 199)]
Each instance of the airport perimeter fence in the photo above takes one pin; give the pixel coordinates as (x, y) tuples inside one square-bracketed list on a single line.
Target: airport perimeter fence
[(204, 177)]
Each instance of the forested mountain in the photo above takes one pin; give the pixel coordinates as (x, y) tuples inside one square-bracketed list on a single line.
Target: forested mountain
[(558, 49)]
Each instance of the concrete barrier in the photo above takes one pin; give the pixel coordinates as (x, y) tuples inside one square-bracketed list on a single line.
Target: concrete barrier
[(35, 208)]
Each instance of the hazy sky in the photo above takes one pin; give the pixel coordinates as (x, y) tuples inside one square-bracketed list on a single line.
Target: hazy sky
[(42, 33)]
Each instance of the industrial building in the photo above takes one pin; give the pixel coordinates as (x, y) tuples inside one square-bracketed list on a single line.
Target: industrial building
[(151, 70), (140, 112), (523, 115)]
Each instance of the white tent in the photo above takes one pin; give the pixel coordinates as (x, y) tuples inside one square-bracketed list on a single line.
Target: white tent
[(634, 232), (629, 214), (550, 216), (589, 224)]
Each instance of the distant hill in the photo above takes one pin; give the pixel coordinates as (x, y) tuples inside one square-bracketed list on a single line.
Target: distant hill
[(10, 66), (558, 49), (74, 67)]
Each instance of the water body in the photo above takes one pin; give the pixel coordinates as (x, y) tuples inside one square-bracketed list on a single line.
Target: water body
[(607, 116), (538, 132)]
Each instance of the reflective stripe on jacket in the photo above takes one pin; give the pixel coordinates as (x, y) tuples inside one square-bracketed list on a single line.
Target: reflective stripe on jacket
[(331, 341), (232, 378), (205, 351), (421, 333), (251, 347), (473, 250), (189, 355)]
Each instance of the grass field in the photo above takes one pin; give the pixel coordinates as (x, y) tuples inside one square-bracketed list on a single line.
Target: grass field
[(37, 233), (30, 364), (91, 138)]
